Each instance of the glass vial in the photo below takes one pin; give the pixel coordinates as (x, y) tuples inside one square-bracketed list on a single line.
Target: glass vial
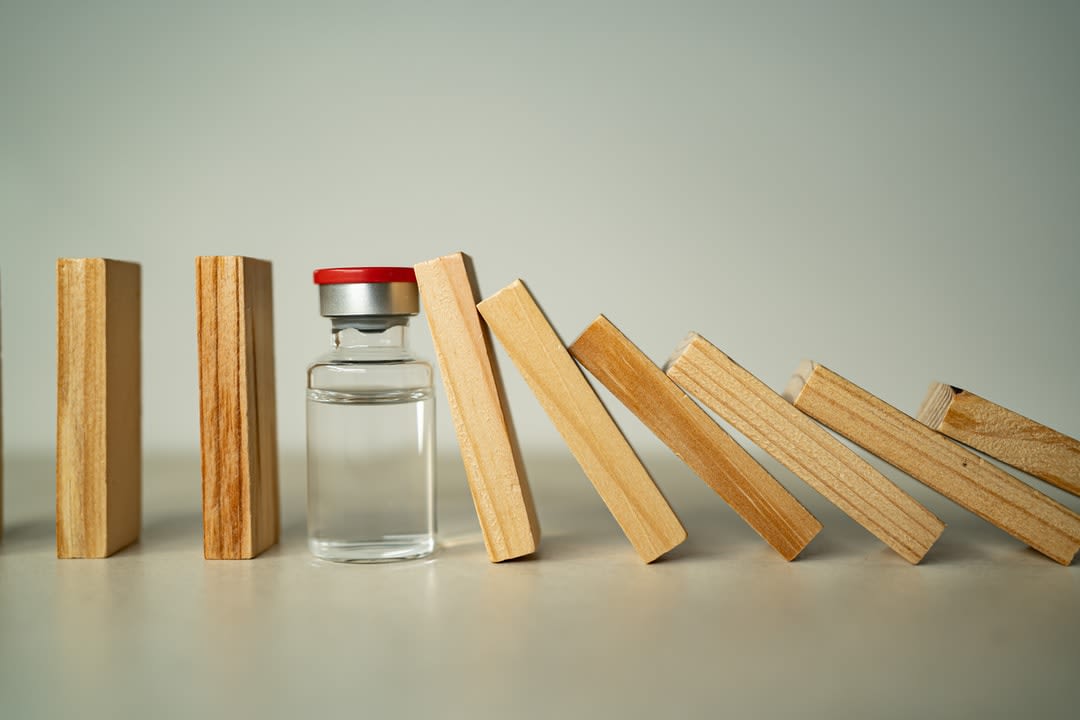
[(370, 423)]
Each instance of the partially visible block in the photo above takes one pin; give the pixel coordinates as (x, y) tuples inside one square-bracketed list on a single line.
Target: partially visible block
[(485, 432), (579, 416), (805, 448), (98, 407), (234, 299), (955, 472), (1003, 434), (702, 444)]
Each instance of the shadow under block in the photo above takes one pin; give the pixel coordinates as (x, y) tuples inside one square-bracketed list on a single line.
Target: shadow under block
[(577, 413), (485, 432), (98, 407), (954, 471), (694, 437), (805, 448), (1003, 434), (234, 300)]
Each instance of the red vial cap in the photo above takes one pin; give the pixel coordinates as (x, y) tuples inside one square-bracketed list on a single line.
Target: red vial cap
[(344, 275)]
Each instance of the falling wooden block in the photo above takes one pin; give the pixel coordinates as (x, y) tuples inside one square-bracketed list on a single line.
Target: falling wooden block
[(579, 416), (702, 444), (98, 407), (237, 406), (485, 432), (805, 448), (955, 472), (1003, 434)]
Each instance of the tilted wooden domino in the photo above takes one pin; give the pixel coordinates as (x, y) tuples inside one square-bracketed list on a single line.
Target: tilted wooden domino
[(955, 472), (702, 444), (577, 413), (485, 432), (237, 406), (98, 407), (1003, 434), (805, 448)]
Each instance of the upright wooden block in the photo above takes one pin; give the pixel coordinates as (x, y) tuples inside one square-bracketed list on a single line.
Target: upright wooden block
[(1003, 434), (485, 432), (593, 437), (955, 472), (98, 407), (804, 448), (702, 444), (234, 298)]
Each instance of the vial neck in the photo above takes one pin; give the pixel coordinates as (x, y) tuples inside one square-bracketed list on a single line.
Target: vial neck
[(371, 338)]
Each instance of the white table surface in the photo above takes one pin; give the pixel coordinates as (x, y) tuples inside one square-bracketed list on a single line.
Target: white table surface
[(722, 627)]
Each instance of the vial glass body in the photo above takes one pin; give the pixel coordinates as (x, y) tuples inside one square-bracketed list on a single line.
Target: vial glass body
[(370, 442)]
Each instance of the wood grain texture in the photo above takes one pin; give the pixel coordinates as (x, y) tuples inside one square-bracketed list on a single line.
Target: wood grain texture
[(1003, 434), (695, 438), (98, 407), (477, 400), (954, 471), (805, 448), (234, 300), (577, 413)]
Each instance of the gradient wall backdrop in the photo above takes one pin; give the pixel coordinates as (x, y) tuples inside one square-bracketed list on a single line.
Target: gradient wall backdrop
[(892, 189)]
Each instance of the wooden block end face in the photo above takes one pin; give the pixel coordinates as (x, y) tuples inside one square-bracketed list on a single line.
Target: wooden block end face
[(798, 380), (679, 350), (456, 267), (672, 539), (686, 364), (99, 439), (238, 428), (485, 432), (620, 365), (936, 404), (599, 328), (516, 293)]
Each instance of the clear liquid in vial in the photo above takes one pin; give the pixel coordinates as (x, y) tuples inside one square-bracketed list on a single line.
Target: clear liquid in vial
[(370, 474)]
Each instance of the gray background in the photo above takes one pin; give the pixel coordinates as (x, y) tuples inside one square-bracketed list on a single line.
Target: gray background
[(891, 189)]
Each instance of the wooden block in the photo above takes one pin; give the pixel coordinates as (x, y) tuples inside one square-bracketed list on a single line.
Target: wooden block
[(1003, 434), (485, 432), (702, 444), (593, 437), (98, 407), (953, 471), (805, 448), (234, 299)]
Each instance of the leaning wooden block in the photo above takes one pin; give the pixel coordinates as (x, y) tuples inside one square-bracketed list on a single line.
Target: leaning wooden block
[(237, 406), (953, 471), (98, 407), (593, 437), (702, 444), (1003, 434), (805, 448), (485, 432)]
